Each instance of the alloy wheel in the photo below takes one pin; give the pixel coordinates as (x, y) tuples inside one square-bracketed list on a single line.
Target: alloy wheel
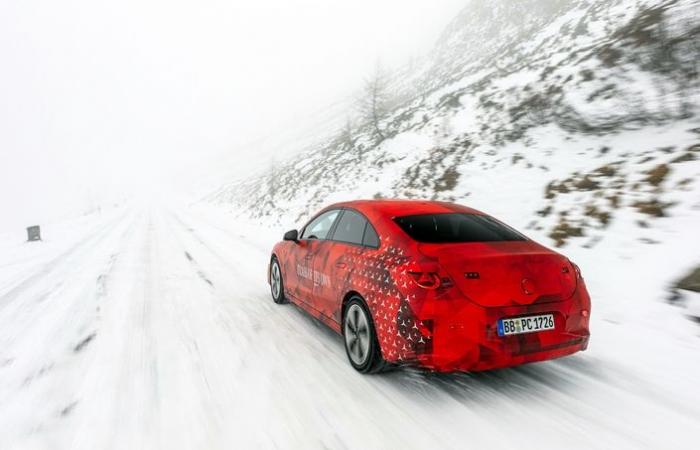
[(276, 279), (357, 334)]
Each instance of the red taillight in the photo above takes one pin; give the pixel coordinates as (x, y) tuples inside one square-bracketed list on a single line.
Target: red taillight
[(430, 280), (426, 280), (578, 270), (569, 278)]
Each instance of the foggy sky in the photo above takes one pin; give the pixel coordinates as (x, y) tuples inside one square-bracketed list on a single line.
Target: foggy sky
[(101, 100)]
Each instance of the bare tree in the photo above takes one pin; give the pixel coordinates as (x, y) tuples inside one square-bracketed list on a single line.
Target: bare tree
[(272, 185), (347, 135), (375, 103)]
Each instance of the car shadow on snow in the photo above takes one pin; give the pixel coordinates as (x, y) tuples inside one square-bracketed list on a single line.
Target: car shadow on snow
[(570, 375), (535, 381)]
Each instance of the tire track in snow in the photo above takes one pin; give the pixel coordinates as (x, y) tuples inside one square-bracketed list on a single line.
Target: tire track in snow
[(57, 263), (50, 340), (122, 375), (201, 274), (238, 238), (159, 394)]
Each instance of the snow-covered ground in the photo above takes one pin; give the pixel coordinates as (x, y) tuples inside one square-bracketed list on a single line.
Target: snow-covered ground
[(692, 300), (153, 327)]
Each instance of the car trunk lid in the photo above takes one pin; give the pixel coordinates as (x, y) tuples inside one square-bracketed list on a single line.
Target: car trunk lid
[(505, 273)]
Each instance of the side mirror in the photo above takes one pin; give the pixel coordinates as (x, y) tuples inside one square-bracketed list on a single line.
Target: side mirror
[(291, 235)]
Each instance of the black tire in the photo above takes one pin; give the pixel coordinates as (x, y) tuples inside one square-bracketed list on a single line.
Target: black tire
[(364, 356), (277, 290)]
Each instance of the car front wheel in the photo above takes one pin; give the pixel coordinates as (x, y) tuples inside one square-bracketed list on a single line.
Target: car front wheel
[(276, 282)]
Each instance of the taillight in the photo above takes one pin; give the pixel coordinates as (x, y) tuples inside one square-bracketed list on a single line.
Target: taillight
[(569, 278), (577, 269), (430, 280), (426, 280)]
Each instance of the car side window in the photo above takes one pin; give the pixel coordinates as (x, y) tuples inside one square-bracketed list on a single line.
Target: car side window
[(351, 227), (320, 226), (371, 239)]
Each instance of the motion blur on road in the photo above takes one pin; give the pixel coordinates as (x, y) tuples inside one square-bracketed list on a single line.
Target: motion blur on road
[(154, 328), (163, 148)]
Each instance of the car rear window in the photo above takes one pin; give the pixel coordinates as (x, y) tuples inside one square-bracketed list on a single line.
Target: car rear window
[(456, 227)]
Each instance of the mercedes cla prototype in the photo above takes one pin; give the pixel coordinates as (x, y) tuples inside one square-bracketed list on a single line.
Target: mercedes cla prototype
[(432, 284)]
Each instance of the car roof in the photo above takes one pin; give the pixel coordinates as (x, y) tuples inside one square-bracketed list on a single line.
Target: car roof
[(400, 207)]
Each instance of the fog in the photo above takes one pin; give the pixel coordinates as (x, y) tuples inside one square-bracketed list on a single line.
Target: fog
[(103, 100), (150, 313)]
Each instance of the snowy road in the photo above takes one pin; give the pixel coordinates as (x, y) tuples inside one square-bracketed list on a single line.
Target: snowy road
[(154, 328)]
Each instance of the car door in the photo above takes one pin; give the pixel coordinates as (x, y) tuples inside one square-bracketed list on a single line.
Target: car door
[(335, 262), (302, 263)]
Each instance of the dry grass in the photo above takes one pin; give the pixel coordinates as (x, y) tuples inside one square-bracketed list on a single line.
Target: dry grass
[(684, 182), (602, 216), (689, 156), (587, 184), (554, 188), (690, 282), (448, 180), (544, 212), (563, 231), (657, 175), (606, 171), (653, 207)]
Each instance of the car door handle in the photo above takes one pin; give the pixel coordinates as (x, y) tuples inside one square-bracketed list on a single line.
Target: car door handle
[(341, 265)]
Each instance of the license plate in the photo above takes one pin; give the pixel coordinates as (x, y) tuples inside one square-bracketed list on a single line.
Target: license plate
[(529, 324)]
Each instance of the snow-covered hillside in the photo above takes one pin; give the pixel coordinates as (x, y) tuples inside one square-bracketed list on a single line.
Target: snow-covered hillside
[(537, 90), (576, 121)]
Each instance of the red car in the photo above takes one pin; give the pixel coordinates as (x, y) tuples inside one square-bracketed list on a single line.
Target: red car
[(432, 284)]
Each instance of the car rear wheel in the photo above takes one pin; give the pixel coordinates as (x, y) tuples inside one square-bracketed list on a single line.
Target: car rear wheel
[(276, 282), (361, 344)]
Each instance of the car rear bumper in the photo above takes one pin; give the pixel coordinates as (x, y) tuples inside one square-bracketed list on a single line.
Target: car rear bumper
[(463, 336), (479, 358)]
